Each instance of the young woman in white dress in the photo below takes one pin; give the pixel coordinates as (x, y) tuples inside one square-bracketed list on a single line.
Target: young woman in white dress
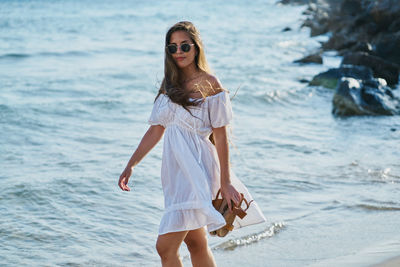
[(190, 106)]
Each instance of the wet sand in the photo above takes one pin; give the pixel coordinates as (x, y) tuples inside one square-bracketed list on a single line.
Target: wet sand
[(393, 262)]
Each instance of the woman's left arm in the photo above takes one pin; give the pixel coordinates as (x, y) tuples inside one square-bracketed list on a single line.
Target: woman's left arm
[(221, 144)]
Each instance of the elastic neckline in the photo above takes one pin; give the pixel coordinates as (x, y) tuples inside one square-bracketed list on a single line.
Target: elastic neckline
[(207, 97), (210, 96)]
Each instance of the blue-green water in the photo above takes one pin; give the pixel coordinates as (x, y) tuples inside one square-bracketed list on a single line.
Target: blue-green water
[(77, 83)]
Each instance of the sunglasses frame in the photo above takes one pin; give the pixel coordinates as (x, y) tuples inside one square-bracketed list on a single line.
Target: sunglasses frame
[(176, 47)]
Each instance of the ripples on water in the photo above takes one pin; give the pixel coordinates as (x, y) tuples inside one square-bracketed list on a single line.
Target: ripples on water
[(249, 239), (77, 82)]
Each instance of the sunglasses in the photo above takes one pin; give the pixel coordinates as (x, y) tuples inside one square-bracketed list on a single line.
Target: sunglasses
[(173, 48)]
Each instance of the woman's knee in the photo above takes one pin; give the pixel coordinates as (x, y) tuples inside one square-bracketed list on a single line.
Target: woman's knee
[(165, 250), (196, 244), (168, 245)]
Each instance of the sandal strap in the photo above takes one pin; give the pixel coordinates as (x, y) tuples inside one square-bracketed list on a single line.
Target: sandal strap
[(241, 213), (229, 227)]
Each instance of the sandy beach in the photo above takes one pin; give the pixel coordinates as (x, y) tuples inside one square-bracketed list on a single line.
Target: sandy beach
[(393, 262)]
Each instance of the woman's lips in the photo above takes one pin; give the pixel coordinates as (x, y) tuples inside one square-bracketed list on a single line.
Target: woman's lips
[(180, 58)]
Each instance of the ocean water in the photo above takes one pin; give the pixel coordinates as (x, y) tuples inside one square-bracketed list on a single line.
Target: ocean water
[(77, 83)]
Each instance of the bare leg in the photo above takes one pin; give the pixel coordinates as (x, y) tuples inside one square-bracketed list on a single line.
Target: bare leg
[(168, 248), (200, 253)]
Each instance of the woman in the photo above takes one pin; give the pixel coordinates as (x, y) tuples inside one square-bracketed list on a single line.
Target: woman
[(190, 106)]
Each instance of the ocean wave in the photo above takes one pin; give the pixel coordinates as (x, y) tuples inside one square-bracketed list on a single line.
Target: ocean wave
[(28, 196), (382, 174), (376, 208), (20, 56), (14, 56), (77, 53), (252, 238), (5, 111), (375, 205)]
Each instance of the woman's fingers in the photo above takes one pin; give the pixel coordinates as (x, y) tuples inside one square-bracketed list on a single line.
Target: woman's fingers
[(120, 184), (229, 204), (232, 196), (123, 183), (124, 178), (236, 197)]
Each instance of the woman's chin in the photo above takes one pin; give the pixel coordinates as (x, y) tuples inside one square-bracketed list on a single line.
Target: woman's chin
[(181, 65)]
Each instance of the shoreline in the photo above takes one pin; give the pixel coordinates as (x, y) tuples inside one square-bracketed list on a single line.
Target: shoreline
[(391, 262), (384, 254)]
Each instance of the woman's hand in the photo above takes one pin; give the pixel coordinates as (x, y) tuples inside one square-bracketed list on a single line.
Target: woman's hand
[(230, 194), (124, 179)]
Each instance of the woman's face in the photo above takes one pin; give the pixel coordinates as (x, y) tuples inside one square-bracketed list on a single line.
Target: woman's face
[(182, 59)]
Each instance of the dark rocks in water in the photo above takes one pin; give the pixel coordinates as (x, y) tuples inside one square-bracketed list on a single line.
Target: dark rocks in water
[(314, 58), (330, 78), (351, 7), (297, 2), (358, 47), (304, 80), (358, 25), (339, 41), (395, 26), (370, 97), (384, 12), (388, 47), (319, 22), (367, 34), (286, 29), (381, 68), (362, 47)]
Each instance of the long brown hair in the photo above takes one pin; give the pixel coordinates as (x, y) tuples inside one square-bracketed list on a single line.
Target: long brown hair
[(171, 84)]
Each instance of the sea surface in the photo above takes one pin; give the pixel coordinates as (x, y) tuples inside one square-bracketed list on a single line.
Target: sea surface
[(77, 84)]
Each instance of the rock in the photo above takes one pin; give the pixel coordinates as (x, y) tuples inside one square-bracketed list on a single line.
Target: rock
[(358, 47), (314, 58), (384, 12), (338, 42), (367, 34), (380, 67), (319, 23), (350, 7), (395, 26), (330, 78), (298, 2), (286, 29), (362, 47), (388, 47), (304, 80), (317, 28), (352, 21), (371, 97)]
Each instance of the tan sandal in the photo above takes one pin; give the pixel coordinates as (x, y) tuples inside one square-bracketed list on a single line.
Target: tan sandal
[(221, 205)]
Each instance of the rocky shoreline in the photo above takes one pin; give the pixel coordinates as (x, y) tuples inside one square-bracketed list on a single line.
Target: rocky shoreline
[(366, 33)]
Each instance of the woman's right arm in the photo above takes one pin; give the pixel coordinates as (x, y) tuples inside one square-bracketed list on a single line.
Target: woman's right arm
[(149, 140)]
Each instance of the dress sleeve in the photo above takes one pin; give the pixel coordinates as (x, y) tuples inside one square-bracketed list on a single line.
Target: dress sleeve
[(155, 118), (220, 109)]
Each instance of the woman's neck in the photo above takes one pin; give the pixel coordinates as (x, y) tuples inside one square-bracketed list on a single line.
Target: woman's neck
[(189, 72)]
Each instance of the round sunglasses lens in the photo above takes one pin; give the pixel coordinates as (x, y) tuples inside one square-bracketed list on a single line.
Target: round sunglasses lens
[(185, 47), (172, 49)]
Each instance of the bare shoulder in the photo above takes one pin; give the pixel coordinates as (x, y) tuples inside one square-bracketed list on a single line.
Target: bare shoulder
[(212, 84)]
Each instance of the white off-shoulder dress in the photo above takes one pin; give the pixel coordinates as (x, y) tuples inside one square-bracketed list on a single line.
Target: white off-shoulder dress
[(190, 172)]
